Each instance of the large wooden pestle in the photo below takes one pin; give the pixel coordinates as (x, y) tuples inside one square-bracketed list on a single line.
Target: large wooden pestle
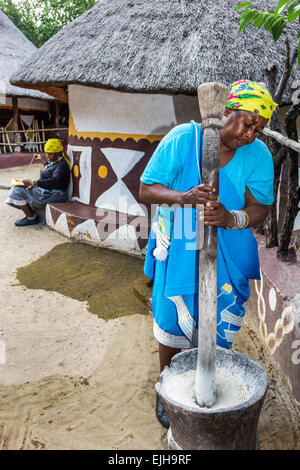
[(212, 101)]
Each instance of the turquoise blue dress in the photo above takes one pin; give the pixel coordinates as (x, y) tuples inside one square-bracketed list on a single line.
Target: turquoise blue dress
[(176, 164)]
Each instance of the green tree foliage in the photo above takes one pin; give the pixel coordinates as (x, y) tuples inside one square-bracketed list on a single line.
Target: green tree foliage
[(39, 20), (273, 21)]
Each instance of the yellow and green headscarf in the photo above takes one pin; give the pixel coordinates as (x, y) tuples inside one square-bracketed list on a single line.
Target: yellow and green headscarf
[(251, 96), (56, 146), (53, 146)]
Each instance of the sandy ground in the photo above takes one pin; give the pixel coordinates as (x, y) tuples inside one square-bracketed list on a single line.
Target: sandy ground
[(74, 381)]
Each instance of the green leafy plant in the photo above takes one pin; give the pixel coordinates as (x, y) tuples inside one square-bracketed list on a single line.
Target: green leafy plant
[(39, 20), (273, 21)]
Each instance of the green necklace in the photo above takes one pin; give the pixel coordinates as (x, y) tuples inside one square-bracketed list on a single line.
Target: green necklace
[(52, 163)]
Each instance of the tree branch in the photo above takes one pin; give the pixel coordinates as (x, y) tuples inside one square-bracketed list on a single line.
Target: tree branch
[(270, 74), (287, 72), (293, 144), (293, 196)]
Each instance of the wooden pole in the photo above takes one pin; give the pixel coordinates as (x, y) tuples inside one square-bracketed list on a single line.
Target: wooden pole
[(212, 100), (40, 130), (15, 119), (3, 139), (8, 141), (43, 131), (15, 112), (56, 123), (25, 133), (35, 136)]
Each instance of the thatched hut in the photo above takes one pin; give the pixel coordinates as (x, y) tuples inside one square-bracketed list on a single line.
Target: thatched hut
[(131, 69), (18, 106)]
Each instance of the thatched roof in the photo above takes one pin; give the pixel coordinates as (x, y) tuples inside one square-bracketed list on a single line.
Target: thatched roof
[(157, 46), (15, 48)]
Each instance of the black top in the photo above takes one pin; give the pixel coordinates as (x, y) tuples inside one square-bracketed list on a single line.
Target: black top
[(56, 176)]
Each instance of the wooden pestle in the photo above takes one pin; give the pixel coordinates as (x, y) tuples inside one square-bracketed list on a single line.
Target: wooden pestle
[(212, 101)]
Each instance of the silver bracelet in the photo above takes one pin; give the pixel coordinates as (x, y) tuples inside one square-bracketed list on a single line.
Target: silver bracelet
[(241, 220)]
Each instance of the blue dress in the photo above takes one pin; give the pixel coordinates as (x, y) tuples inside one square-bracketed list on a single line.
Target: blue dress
[(176, 164)]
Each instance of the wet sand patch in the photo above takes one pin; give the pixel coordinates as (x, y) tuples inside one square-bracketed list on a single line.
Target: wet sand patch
[(112, 283)]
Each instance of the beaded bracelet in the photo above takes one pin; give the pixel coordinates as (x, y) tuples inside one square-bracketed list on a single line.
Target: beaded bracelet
[(241, 220)]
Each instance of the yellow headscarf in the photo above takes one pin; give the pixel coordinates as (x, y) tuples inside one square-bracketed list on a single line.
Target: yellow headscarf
[(56, 146), (53, 146), (251, 96)]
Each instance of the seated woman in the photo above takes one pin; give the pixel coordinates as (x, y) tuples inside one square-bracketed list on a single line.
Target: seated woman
[(50, 187)]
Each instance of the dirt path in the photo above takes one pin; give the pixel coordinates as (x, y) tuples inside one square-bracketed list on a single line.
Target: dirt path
[(74, 381), (71, 380), (113, 408)]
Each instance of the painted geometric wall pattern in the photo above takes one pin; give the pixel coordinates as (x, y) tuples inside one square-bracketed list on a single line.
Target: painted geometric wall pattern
[(278, 306), (118, 197), (67, 218), (105, 192), (103, 175), (107, 176), (76, 174), (101, 178), (80, 186), (283, 325)]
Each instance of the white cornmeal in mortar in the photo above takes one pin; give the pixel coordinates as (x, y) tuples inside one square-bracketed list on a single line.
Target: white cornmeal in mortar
[(230, 390)]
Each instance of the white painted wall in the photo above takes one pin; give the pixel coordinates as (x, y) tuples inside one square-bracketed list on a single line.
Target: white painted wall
[(110, 111), (27, 103)]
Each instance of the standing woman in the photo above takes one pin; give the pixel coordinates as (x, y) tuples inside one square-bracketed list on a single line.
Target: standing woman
[(173, 178), (50, 187)]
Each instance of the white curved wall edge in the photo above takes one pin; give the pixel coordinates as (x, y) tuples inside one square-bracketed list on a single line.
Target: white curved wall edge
[(98, 110)]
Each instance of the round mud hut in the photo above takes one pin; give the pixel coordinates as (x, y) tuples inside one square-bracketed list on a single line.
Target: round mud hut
[(130, 70), (19, 107)]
